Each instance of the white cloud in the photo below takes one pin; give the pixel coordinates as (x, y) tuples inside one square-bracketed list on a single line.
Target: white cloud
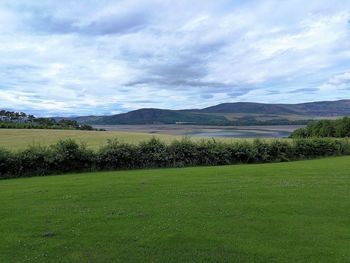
[(105, 56)]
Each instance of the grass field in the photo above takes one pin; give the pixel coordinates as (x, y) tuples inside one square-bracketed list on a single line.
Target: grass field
[(17, 139), (285, 212)]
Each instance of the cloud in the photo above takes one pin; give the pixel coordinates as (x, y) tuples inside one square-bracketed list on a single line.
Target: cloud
[(111, 23), (340, 79), (303, 90), (101, 57)]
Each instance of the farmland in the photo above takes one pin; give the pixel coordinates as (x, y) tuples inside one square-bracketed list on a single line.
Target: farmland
[(285, 212), (18, 139)]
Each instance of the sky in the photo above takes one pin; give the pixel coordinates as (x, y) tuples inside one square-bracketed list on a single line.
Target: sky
[(95, 57)]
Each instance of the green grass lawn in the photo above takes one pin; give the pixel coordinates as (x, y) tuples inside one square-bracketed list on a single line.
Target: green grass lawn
[(284, 212)]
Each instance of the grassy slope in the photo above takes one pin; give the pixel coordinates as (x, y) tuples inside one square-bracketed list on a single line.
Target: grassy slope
[(286, 212), (17, 139)]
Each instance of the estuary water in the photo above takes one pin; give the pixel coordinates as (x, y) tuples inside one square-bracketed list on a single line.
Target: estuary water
[(242, 134), (280, 131)]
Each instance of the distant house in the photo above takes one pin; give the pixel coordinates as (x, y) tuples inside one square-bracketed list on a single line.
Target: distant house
[(4, 118), (17, 119), (22, 119)]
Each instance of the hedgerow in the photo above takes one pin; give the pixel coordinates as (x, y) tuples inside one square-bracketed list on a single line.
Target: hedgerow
[(69, 156)]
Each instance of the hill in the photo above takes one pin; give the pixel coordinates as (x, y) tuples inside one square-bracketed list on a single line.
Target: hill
[(239, 113), (147, 116), (321, 108)]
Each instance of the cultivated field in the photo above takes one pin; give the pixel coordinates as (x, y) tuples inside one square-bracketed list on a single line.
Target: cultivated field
[(17, 139), (20, 138), (285, 212)]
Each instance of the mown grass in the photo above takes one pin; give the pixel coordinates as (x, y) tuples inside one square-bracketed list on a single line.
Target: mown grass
[(18, 139), (285, 212)]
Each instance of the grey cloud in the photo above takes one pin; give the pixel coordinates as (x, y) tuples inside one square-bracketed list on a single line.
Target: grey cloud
[(209, 47), (48, 24), (237, 93), (301, 90), (117, 24), (83, 56), (186, 68), (106, 25), (207, 96), (20, 75)]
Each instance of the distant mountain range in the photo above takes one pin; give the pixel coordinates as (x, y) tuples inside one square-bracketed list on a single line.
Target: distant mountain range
[(239, 113)]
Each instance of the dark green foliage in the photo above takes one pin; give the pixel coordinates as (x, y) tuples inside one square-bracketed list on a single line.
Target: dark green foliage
[(6, 162), (281, 151), (306, 148), (153, 153), (68, 156), (339, 128), (44, 125), (20, 120), (183, 153), (342, 128), (117, 155), (86, 127), (213, 153), (241, 152), (33, 161)]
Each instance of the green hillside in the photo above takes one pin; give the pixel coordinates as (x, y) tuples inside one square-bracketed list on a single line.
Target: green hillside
[(239, 113), (285, 212), (150, 116)]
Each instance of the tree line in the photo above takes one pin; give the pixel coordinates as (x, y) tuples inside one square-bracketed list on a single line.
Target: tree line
[(339, 128), (21, 120)]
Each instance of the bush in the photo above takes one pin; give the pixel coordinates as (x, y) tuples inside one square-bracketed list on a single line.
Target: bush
[(33, 161), (69, 156), (308, 148), (281, 151), (339, 128), (117, 155), (213, 153), (183, 153), (241, 152), (7, 164), (153, 153)]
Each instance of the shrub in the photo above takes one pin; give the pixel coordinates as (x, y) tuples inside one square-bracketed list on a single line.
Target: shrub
[(33, 161), (308, 148), (153, 153), (339, 128), (66, 156), (117, 155), (241, 152), (213, 153), (69, 156), (7, 163), (261, 151), (281, 151), (183, 153)]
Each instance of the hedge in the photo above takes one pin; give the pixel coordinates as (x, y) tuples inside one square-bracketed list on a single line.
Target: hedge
[(69, 156)]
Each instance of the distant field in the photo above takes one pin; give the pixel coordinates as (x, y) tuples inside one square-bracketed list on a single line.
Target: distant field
[(285, 212), (20, 138), (16, 139)]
